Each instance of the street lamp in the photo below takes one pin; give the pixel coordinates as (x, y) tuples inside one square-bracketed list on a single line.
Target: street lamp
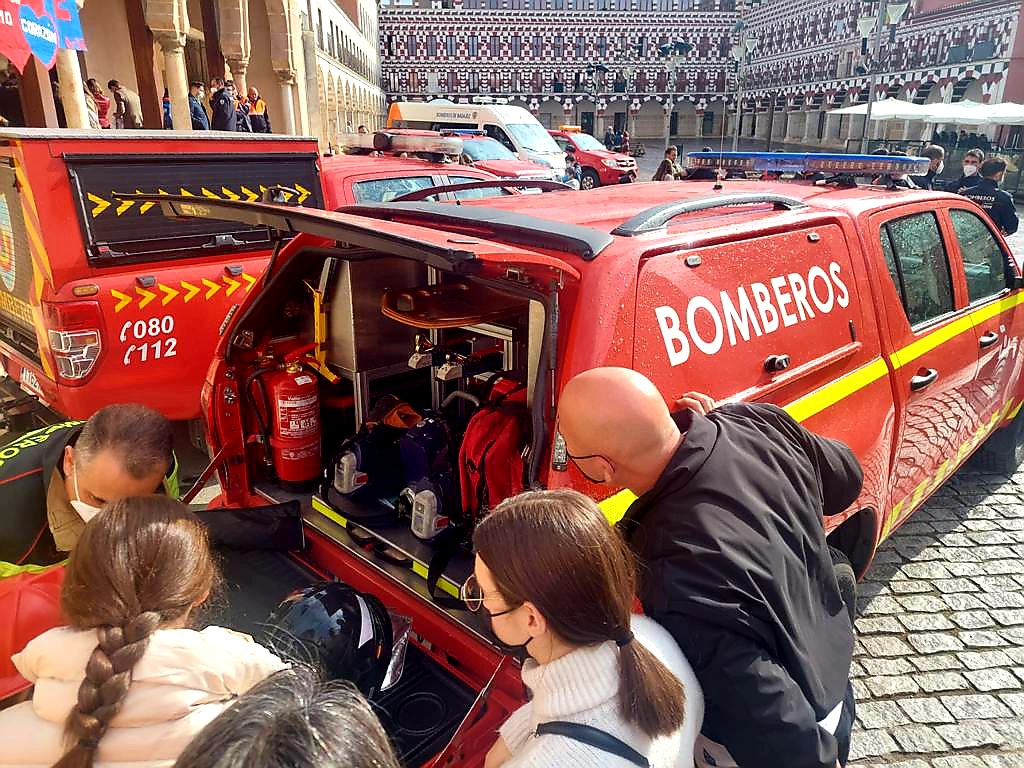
[(741, 54), (674, 54), (889, 14)]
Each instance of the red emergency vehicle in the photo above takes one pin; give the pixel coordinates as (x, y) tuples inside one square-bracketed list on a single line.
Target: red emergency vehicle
[(487, 154), (102, 298), (884, 317), (600, 165)]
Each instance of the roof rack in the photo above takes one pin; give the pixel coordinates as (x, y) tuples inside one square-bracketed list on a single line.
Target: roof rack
[(543, 185), (585, 242), (657, 217)]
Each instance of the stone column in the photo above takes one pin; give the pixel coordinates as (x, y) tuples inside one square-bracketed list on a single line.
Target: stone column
[(72, 91), (667, 125), (287, 81), (313, 105), (811, 127), (176, 79), (238, 68)]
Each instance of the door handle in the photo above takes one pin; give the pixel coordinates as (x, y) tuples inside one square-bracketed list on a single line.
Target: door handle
[(922, 380), (988, 339)]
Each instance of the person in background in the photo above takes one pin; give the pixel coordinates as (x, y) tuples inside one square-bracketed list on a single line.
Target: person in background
[(669, 169), (127, 682), (91, 109), (573, 167), (728, 531), (128, 108), (997, 202), (200, 120), (361, 130), (222, 106), (556, 582), (241, 105), (293, 720), (972, 161), (55, 479), (936, 156), (259, 117), (165, 104), (624, 149), (10, 98), (101, 100), (609, 138)]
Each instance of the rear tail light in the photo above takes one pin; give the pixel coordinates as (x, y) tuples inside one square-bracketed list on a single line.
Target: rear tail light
[(75, 336)]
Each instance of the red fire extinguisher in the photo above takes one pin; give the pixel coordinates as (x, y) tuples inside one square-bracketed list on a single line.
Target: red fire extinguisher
[(295, 424)]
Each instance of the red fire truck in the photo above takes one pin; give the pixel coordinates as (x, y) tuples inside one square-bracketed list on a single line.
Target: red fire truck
[(102, 298), (600, 165), (884, 317)]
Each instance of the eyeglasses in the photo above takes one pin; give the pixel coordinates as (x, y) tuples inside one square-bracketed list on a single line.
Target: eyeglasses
[(472, 594)]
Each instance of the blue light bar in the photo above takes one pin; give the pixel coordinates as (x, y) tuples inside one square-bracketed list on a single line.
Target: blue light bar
[(808, 162)]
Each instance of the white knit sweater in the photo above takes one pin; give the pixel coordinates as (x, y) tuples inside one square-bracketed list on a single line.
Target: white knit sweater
[(583, 687)]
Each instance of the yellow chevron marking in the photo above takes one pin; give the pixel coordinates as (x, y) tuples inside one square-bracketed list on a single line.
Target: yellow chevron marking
[(209, 194), (303, 193), (145, 297), (124, 206), (214, 287), (190, 291), (250, 196), (250, 281), (186, 193), (232, 285), (143, 207), (169, 294), (229, 194), (123, 300), (100, 204)]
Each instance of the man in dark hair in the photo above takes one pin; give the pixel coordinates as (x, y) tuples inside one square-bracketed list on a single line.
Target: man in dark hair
[(200, 120), (973, 158), (222, 106), (292, 720), (53, 480), (128, 112), (997, 203), (936, 155)]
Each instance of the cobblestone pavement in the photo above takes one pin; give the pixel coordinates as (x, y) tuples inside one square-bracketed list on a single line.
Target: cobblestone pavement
[(939, 662)]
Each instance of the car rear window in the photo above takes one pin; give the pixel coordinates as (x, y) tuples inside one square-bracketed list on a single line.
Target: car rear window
[(386, 190)]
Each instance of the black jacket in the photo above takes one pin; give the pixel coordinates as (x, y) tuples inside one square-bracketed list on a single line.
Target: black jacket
[(997, 203), (964, 182), (735, 565), (26, 469), (222, 106), (927, 181), (200, 121)]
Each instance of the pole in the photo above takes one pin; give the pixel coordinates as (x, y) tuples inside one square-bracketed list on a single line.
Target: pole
[(875, 49), (739, 97)]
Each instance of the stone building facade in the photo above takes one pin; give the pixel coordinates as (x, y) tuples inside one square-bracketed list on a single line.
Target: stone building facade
[(601, 63)]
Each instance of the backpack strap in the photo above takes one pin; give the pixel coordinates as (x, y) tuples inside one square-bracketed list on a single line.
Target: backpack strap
[(593, 737)]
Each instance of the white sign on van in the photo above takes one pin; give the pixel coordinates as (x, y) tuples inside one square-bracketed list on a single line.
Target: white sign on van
[(750, 311)]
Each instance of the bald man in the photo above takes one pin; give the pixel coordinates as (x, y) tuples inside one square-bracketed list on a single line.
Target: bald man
[(728, 530)]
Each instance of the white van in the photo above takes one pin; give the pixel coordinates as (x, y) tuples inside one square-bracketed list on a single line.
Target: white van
[(514, 127)]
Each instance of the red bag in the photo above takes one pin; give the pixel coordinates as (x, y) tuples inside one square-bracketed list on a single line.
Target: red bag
[(29, 605), (491, 457)]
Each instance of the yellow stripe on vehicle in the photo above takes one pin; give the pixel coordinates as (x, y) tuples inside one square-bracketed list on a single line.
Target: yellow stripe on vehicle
[(831, 393), (927, 343)]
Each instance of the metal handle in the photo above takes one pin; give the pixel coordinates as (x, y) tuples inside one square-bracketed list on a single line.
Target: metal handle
[(655, 218), (922, 380), (988, 339)]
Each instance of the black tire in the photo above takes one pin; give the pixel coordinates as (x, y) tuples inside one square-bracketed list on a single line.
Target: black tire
[(590, 179), (1003, 452), (847, 579)]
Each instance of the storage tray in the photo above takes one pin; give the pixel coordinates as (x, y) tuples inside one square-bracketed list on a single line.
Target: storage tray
[(395, 535), (421, 713)]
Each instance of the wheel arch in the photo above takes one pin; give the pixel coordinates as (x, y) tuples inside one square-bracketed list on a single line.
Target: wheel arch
[(856, 537)]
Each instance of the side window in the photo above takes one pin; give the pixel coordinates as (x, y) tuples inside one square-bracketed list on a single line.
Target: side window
[(386, 190), (984, 261), (473, 194), (919, 266), (562, 142), (499, 134)]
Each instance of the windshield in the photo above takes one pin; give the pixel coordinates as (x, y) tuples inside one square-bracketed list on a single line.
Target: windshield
[(386, 190), (533, 138), (586, 142), (486, 149)]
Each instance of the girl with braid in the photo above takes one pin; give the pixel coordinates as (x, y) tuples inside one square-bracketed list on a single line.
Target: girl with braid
[(127, 682)]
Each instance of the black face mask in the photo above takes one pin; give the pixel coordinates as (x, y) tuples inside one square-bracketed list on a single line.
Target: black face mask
[(518, 650), (576, 463)]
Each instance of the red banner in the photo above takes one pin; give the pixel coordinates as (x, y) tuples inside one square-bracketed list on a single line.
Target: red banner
[(40, 28)]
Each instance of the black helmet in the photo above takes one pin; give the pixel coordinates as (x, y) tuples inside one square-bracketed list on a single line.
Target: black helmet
[(346, 632)]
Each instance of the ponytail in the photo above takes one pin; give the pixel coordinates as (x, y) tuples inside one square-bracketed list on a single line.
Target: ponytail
[(108, 675), (650, 696)]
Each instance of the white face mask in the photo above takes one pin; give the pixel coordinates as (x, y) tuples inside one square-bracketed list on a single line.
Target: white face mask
[(970, 170), (86, 511)]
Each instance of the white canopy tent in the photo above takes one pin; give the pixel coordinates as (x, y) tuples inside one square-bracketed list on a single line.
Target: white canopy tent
[(959, 113)]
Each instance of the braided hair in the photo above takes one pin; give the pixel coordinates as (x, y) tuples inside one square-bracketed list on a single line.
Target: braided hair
[(142, 564)]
